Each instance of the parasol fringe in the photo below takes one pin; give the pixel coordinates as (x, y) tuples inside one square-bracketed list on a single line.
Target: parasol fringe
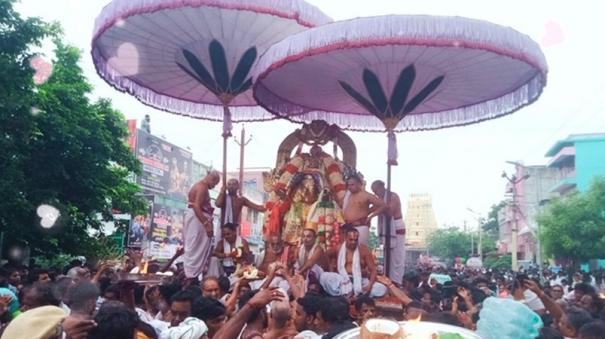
[(243, 108), (491, 109), (450, 31), (446, 32)]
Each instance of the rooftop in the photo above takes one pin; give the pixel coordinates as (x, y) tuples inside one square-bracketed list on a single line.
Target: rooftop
[(572, 139)]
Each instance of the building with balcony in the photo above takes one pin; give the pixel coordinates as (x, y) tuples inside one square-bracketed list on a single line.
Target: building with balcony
[(580, 158)]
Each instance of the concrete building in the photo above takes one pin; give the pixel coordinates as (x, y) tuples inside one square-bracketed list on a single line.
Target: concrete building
[(531, 193), (574, 163), (581, 158), (420, 221)]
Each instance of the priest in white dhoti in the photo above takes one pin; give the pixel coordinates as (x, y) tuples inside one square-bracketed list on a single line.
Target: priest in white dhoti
[(397, 232), (310, 256), (198, 227), (356, 270)]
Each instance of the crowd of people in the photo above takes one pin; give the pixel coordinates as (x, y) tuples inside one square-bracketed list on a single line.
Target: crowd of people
[(220, 289), (86, 301)]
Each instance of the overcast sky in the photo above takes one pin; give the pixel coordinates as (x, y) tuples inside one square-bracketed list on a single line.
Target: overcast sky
[(459, 167)]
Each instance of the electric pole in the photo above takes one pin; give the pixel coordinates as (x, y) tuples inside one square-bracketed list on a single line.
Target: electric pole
[(242, 145), (513, 180), (479, 230)]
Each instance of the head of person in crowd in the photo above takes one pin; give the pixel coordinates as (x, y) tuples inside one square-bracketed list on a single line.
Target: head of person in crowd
[(40, 275), (424, 277), (411, 280), (112, 293), (224, 285), (550, 333), (60, 288), (13, 277), (280, 322), (276, 244), (315, 287), (352, 237), (258, 318), (180, 306), (333, 317), (211, 311), (582, 289), (114, 320), (413, 311), (556, 292), (36, 295), (365, 307), (211, 288), (305, 312), (592, 303), (592, 330), (82, 298), (78, 273), (355, 183), (229, 232), (572, 320)]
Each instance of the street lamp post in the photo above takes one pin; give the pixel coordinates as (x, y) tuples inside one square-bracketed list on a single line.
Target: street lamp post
[(479, 230), (513, 180)]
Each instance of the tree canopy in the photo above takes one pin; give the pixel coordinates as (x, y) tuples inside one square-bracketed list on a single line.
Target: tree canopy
[(59, 148), (573, 227), (452, 242)]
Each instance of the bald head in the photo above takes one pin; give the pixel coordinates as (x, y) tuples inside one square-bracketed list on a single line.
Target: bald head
[(280, 312), (378, 188), (212, 178)]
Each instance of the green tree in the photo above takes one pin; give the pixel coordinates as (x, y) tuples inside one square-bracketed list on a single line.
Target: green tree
[(491, 226), (498, 261), (70, 154), (449, 243), (373, 241), (573, 227)]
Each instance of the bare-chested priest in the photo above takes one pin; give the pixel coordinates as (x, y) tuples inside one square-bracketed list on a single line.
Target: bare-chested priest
[(360, 207), (198, 228), (231, 204), (355, 269), (310, 257), (397, 232)]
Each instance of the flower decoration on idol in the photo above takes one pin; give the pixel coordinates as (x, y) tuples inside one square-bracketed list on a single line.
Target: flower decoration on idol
[(326, 218)]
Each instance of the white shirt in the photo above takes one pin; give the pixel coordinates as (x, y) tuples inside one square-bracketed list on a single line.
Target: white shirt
[(532, 301)]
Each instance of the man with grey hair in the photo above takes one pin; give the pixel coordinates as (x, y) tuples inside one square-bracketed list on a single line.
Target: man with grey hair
[(198, 227), (280, 322), (78, 274)]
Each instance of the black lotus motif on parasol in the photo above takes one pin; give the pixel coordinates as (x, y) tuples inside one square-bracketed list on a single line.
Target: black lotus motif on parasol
[(398, 106), (222, 83)]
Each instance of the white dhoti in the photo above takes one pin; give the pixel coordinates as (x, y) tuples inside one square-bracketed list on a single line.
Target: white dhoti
[(364, 234), (337, 285), (215, 268), (397, 250), (397, 257), (197, 245), (397, 267)]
